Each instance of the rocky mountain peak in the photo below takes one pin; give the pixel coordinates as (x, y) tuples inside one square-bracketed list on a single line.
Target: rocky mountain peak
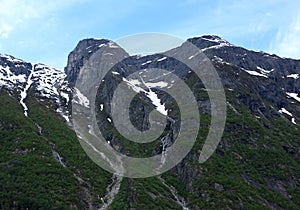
[(17, 66), (82, 52), (209, 41)]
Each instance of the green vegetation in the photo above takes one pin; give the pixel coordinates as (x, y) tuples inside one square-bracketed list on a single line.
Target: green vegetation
[(30, 177), (256, 165)]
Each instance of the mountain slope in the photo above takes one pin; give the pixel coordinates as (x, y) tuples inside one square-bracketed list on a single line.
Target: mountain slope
[(42, 163), (256, 165)]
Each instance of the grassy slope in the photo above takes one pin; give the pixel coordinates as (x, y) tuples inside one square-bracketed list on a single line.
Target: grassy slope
[(251, 148), (265, 152), (36, 179)]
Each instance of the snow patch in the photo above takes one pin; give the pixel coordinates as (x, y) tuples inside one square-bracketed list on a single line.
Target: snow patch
[(216, 58), (146, 63), (134, 84), (65, 95), (294, 96), (66, 117), (112, 45), (7, 77), (216, 39), (101, 45), (264, 71), (283, 110), (115, 73), (295, 76), (220, 45), (192, 56), (11, 59), (156, 84), (24, 92), (161, 59), (255, 73), (82, 99), (156, 101)]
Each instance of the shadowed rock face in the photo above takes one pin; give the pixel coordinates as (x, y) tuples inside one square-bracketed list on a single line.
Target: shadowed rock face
[(258, 80), (17, 66), (267, 76), (80, 55)]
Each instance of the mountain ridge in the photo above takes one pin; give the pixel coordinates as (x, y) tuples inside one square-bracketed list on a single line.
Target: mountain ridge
[(256, 164)]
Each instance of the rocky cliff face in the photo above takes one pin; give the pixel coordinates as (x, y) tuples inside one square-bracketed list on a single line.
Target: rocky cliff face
[(272, 78), (264, 84), (80, 55)]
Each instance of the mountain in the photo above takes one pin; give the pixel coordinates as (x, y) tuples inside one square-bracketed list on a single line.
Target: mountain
[(255, 166)]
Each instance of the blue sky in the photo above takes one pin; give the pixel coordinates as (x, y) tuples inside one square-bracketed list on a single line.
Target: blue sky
[(46, 31)]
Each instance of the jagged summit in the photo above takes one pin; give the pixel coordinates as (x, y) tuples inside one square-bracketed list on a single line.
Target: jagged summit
[(209, 42), (82, 52), (262, 68), (46, 82)]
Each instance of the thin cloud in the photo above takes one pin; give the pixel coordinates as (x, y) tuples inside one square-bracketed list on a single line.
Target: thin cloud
[(5, 30), (287, 41), (14, 13)]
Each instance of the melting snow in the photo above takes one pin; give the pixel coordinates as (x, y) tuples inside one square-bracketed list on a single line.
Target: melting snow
[(24, 95), (133, 84), (65, 95), (193, 55), (216, 58), (112, 45), (283, 110), (11, 59), (294, 96), (179, 200), (216, 40), (82, 99), (57, 156), (156, 84), (264, 71), (156, 101), (6, 76), (150, 94), (49, 80), (116, 73), (66, 117), (161, 59), (255, 73), (146, 63), (24, 92), (220, 45), (295, 76), (294, 121)]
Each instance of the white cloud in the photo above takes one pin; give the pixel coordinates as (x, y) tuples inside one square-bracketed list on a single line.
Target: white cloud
[(287, 41)]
